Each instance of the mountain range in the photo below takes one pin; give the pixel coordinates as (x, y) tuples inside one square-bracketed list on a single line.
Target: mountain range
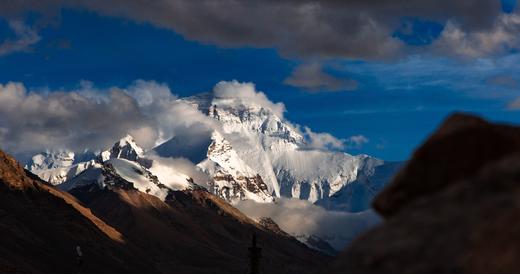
[(121, 229), (246, 152), (249, 153)]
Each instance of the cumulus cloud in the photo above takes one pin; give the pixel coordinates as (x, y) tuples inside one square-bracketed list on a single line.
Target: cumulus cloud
[(171, 115), (91, 118), (62, 120), (357, 141), (326, 141), (500, 38), (353, 29), (247, 92), (32, 121), (312, 78), (322, 141), (25, 37), (300, 217)]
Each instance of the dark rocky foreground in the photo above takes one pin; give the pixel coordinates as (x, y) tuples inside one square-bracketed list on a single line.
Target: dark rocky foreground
[(123, 230), (454, 208)]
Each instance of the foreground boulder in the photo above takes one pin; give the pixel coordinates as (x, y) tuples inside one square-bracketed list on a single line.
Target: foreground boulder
[(454, 208)]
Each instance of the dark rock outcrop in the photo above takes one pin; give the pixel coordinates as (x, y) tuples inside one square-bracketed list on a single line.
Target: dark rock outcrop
[(454, 208)]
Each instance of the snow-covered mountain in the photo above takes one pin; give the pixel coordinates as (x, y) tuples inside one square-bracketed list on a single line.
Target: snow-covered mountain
[(278, 151), (241, 149), (233, 179), (123, 165), (57, 167), (250, 153)]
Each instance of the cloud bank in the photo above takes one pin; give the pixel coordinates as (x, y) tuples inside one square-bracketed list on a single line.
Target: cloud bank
[(31, 121), (68, 120), (90, 118), (352, 29), (300, 217)]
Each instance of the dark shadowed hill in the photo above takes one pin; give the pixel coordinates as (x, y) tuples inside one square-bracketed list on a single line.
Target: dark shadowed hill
[(454, 208), (40, 228), (196, 232), (127, 231)]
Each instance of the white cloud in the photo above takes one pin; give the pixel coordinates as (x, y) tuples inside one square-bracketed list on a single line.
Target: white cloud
[(92, 118), (247, 92), (25, 37), (59, 120), (357, 141), (300, 217), (322, 141), (171, 115)]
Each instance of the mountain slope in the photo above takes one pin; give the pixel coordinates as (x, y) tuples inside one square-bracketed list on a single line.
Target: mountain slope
[(124, 230), (41, 226), (196, 232)]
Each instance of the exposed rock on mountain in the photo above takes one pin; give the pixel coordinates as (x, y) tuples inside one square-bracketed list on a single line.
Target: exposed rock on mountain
[(452, 209), (233, 179)]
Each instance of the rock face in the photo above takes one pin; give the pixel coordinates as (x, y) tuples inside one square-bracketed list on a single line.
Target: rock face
[(460, 148), (453, 208), (233, 179)]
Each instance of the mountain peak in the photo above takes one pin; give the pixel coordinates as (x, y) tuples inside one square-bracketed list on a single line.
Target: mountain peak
[(12, 174), (51, 159), (125, 148)]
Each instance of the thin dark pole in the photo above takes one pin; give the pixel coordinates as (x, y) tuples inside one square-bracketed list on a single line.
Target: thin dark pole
[(255, 253)]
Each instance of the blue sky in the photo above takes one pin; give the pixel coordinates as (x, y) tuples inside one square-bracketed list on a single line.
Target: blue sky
[(397, 103)]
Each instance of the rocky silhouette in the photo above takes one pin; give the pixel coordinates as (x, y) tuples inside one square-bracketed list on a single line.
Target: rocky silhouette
[(453, 208)]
